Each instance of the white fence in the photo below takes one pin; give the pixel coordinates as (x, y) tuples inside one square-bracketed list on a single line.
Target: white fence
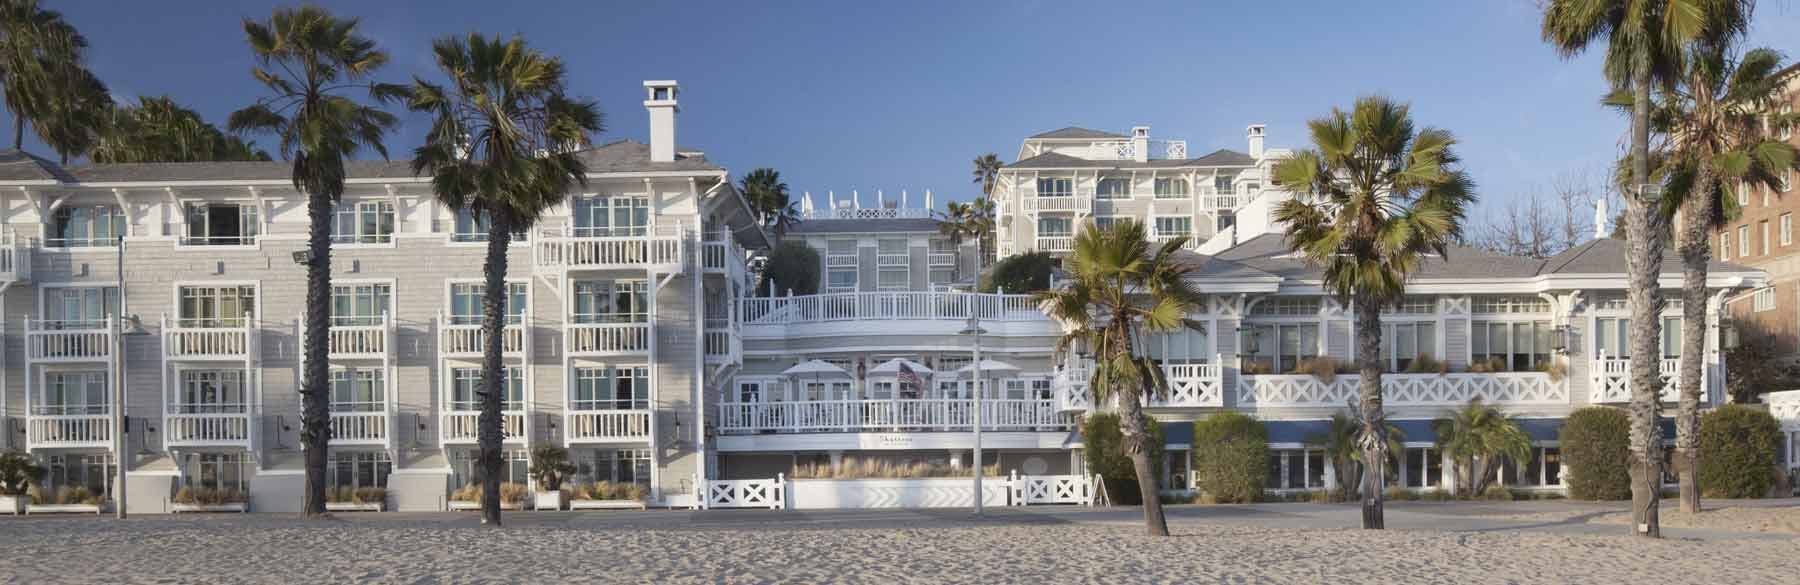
[(1029, 490), (597, 339), (553, 249), (1306, 390), (464, 426), (207, 430), (69, 430), (936, 492), (68, 341), (359, 428), (1612, 380), (868, 306), (465, 340), (911, 414), (744, 493), (603, 426)]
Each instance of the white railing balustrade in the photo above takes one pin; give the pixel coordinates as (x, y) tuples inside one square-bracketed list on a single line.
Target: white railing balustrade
[(463, 426), (1036, 204), (1127, 150), (877, 415), (840, 260), (743, 493), (607, 426), (357, 340), (592, 339), (1029, 490), (1306, 390), (201, 430), (185, 342), (465, 340), (722, 342), (1056, 244), (69, 430), (553, 248), (359, 428), (1193, 385), (1611, 380), (890, 260), (15, 258), (867, 306), (68, 340), (941, 259), (868, 213)]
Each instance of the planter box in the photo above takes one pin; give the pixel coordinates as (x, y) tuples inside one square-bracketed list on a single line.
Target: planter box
[(353, 507), (238, 507), (468, 505), (605, 505), (953, 492), (61, 509), (546, 501), (14, 505)]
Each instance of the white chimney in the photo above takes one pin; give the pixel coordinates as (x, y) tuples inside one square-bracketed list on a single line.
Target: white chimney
[(1140, 143), (659, 98), (1600, 219), (1255, 134)]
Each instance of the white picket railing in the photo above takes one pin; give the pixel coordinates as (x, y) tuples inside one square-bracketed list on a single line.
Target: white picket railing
[(68, 340), (465, 340), (607, 426), (206, 430), (1056, 244), (183, 342), (1082, 203), (722, 342), (1306, 390), (69, 430), (721, 254), (358, 340), (463, 426), (360, 428), (1193, 385), (876, 415), (941, 259), (1611, 380), (599, 339), (744, 493), (553, 249), (870, 306)]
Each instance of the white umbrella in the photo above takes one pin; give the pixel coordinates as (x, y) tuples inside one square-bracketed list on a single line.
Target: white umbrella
[(816, 368), (988, 367), (893, 367)]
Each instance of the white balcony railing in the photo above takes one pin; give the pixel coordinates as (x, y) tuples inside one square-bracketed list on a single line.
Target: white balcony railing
[(1611, 381), (838, 260), (209, 343), (1127, 150), (869, 306), (892, 260), (941, 259), (68, 341), (1306, 390), (603, 339), (607, 426), (889, 415), (464, 340), (1081, 203), (91, 431), (555, 248), (207, 430), (720, 254), (463, 426), (723, 343), (1193, 385), (1056, 244), (15, 258), (868, 213), (361, 428)]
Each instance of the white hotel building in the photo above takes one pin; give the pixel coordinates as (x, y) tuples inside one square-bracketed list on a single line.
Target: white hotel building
[(634, 339)]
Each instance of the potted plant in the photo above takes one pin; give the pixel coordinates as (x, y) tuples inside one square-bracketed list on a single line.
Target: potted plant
[(468, 497), (549, 468), (355, 499), (17, 472), (606, 495)]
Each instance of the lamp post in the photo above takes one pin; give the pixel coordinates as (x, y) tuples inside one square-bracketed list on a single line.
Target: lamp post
[(974, 329)]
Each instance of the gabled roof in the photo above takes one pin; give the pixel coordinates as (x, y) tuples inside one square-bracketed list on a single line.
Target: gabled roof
[(1224, 158), (1216, 267), (1074, 132), (1057, 160), (18, 165), (1270, 253), (1607, 256), (840, 226)]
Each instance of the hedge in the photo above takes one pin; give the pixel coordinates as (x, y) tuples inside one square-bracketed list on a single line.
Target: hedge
[(1104, 447), (1020, 273), (1596, 453), (1235, 462), (794, 266), (1739, 451)]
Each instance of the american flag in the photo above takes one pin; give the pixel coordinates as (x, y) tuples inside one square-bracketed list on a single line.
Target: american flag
[(907, 375)]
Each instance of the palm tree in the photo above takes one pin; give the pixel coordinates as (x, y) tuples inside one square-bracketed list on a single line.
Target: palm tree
[(34, 45), (1716, 143), (766, 192), (158, 129), (987, 170), (961, 222), (308, 59), (1120, 288), (1341, 445), (75, 113), (1476, 437), (1374, 198), (502, 143), (1644, 41)]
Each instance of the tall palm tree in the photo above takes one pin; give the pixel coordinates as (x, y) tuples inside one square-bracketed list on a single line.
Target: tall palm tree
[(308, 60), (1373, 198), (987, 171), (502, 143), (1716, 143), (158, 129), (1644, 41), (961, 222), (1476, 437), (76, 112), (1122, 287), (769, 195), (34, 44)]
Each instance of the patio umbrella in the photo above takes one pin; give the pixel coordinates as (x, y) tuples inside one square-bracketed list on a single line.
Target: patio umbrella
[(988, 367), (815, 368), (892, 367)]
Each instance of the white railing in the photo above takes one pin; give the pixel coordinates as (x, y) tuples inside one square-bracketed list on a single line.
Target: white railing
[(722, 342), (358, 340), (840, 260), (744, 493), (1306, 390), (1127, 150), (1071, 386), (1611, 381), (464, 426), (721, 254), (68, 340), (1056, 244), (209, 342), (595, 339), (465, 340), (868, 213), (1785, 407), (607, 426), (554, 249), (1193, 385), (893, 260), (1082, 203), (866, 306), (1029, 490), (15, 258), (876, 415), (360, 428), (1215, 201), (206, 430), (1193, 241), (941, 258), (69, 430)]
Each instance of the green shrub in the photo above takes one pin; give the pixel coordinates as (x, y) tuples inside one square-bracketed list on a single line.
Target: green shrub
[(1235, 462), (1020, 273), (793, 265), (1739, 446), (17, 471), (1596, 453), (1104, 448), (1498, 493)]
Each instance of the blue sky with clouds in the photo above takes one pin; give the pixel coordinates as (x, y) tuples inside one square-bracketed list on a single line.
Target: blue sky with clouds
[(903, 94)]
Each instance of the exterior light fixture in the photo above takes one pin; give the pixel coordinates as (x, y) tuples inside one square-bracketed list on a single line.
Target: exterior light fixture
[(303, 257)]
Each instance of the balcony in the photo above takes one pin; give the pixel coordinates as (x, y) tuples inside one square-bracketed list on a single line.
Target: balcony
[(1063, 203), (596, 427), (208, 430), (15, 259), (845, 416), (840, 260), (660, 250), (719, 254), (462, 427), (1056, 244), (1190, 386), (69, 341), (370, 339), (723, 343), (607, 339), (936, 259), (465, 340), (1127, 150), (1611, 381), (201, 340), (68, 431), (879, 306), (1307, 390), (362, 429)]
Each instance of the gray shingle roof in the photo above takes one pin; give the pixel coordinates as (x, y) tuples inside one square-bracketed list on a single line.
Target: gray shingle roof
[(1216, 267), (1076, 132), (18, 165), (1607, 256), (1269, 253), (839, 226), (1057, 160)]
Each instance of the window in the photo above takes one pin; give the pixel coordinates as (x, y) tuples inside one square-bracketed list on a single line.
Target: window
[(363, 222), (1182, 346), (1424, 467), (1296, 469), (1171, 188), (359, 469), (1544, 469), (466, 469), (1415, 305), (1104, 222), (891, 251), (1612, 337), (611, 388), (1226, 219), (465, 389), (1743, 193), (1280, 349), (211, 391), (1520, 346), (1510, 304), (1288, 306), (619, 466), (941, 276), (1113, 188), (94, 472), (1743, 241), (466, 302), (217, 471), (360, 304), (216, 306), (1222, 184), (72, 393), (1055, 227), (1404, 345), (890, 279), (1787, 229), (839, 280), (1787, 131), (611, 301), (473, 227), (83, 307), (1763, 226), (86, 226), (220, 224), (1055, 187), (1765, 299), (1169, 227), (824, 390), (358, 390), (607, 216)]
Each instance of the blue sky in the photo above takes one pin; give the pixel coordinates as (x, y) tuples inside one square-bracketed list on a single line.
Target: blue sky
[(903, 94)]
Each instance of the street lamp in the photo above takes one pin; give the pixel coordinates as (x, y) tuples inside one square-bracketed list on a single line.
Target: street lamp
[(974, 329)]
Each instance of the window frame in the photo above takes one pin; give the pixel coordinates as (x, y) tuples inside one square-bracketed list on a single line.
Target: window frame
[(1170, 188), (1101, 190), (515, 315), (109, 215), (248, 296), (1059, 187)]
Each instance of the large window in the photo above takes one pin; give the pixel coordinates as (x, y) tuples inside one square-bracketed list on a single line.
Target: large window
[(1055, 227), (893, 280), (611, 301), (1743, 241), (84, 307), (1222, 184), (1113, 188), (1169, 227), (465, 389), (86, 226), (1406, 345), (466, 469), (1765, 299), (360, 304), (1055, 187), (1500, 346), (211, 391), (363, 222), (1509, 304), (1295, 469), (466, 302), (840, 280), (1413, 305), (611, 388), (358, 390), (93, 472), (217, 306), (1787, 229), (1287, 306), (614, 465), (473, 227), (1280, 349), (220, 224), (359, 469), (1171, 188), (1424, 467), (1182, 346), (1612, 337), (217, 471), (612, 216), (72, 393), (1544, 469)]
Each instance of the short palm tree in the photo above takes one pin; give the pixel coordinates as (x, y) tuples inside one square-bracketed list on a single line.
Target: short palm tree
[(308, 60), (1373, 199), (961, 222), (769, 195), (503, 143), (1476, 437), (34, 45), (1341, 445), (159, 130), (1120, 288), (987, 171), (1644, 40)]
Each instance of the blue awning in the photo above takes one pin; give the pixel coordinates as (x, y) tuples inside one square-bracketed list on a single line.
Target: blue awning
[(1542, 429), (1296, 431), (1177, 433)]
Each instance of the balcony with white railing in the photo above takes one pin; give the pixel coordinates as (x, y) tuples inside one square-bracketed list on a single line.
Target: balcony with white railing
[(590, 249), (15, 258), (723, 343), (210, 339), (363, 428), (85, 428), (607, 339), (840, 260), (1056, 243), (1059, 203), (215, 427), (69, 341), (463, 427), (600, 427), (462, 338), (1310, 391), (893, 260), (776, 316), (1127, 150), (720, 254), (1192, 385), (1611, 380), (875, 415), (371, 338), (1213, 200), (936, 259)]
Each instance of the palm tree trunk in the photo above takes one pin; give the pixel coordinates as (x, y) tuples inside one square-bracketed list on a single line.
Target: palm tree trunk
[(490, 434), (1137, 447), (18, 131), (315, 405), (1695, 251), (1374, 431), (1643, 267)]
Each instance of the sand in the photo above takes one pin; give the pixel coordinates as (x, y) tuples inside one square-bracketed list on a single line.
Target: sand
[(1734, 519), (750, 548)]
